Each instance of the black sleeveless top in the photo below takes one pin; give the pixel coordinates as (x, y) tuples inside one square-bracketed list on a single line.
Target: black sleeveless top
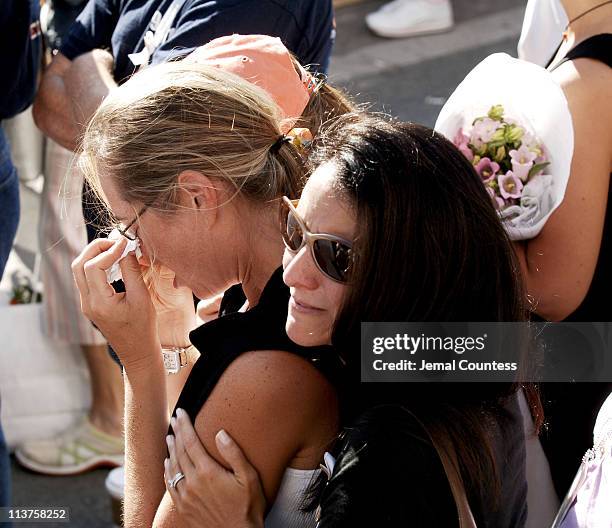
[(388, 474), (597, 47), (262, 327), (597, 305), (571, 408)]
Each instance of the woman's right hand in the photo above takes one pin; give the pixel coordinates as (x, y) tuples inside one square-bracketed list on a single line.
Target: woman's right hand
[(160, 283), (127, 320), (210, 495)]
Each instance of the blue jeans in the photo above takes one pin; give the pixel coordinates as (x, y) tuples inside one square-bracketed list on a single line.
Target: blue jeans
[(9, 201), (9, 218)]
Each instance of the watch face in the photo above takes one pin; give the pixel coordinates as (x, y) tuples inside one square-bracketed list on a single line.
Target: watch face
[(172, 362)]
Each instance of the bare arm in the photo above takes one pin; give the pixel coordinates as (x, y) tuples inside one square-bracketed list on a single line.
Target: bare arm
[(146, 426), (208, 309), (69, 94), (52, 109), (274, 404), (88, 82), (129, 322), (559, 263), (173, 329)]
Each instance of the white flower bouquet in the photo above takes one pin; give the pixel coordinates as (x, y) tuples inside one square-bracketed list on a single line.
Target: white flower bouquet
[(511, 120)]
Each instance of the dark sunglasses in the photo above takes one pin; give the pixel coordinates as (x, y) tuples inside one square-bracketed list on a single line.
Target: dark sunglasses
[(331, 254)]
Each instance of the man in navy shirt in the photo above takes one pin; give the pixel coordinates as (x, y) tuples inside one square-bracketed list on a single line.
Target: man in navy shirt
[(104, 47), (20, 39), (95, 56)]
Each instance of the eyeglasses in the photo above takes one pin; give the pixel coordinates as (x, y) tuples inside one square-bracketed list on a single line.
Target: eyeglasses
[(125, 230), (331, 254)]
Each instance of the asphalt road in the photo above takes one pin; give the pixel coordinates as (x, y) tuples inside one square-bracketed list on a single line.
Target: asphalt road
[(408, 78)]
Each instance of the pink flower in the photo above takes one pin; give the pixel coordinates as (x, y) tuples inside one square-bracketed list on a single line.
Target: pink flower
[(467, 152), (523, 155), (521, 170), (543, 156), (485, 128), (476, 142), (528, 140), (487, 169), (522, 161), (461, 142), (498, 203), (460, 138), (510, 186)]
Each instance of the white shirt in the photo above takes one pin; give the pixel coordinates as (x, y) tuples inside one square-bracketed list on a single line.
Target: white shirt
[(543, 26), (290, 499)]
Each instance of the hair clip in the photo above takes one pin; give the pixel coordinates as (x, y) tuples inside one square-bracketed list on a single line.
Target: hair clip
[(279, 143), (309, 81), (300, 138)]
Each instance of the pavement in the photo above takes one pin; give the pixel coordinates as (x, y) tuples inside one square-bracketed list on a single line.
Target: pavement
[(409, 78)]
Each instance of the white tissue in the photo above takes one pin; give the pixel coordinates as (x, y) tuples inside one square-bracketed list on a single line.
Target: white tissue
[(113, 274)]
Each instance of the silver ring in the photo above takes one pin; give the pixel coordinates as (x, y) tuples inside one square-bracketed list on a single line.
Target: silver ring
[(175, 480)]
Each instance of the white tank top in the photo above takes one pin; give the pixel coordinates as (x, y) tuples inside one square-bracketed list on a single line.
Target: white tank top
[(286, 511)]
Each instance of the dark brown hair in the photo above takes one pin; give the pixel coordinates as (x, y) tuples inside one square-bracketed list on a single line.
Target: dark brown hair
[(326, 103), (429, 248)]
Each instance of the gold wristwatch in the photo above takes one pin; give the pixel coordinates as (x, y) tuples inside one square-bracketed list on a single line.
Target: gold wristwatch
[(175, 358)]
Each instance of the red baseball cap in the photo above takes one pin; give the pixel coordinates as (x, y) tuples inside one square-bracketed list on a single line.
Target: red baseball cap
[(265, 62)]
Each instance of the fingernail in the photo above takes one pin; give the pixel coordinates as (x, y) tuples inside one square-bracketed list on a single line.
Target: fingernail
[(166, 462), (223, 437), (173, 422), (180, 413), (169, 439)]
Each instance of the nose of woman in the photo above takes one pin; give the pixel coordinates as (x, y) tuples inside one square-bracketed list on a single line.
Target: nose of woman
[(300, 271)]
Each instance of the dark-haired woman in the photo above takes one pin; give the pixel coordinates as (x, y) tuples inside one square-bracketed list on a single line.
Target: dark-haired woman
[(393, 225)]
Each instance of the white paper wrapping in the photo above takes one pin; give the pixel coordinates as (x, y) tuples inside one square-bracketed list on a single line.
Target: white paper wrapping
[(529, 95)]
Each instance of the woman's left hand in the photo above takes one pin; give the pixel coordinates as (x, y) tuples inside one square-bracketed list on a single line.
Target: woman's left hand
[(127, 320), (174, 306), (210, 495)]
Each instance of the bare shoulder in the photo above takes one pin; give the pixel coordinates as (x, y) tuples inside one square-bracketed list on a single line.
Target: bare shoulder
[(276, 369), (277, 406), (277, 383), (587, 84)]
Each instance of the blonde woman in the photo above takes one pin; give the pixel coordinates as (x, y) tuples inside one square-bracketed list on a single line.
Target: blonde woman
[(193, 161)]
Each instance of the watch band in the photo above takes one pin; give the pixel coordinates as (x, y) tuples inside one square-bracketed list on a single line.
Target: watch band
[(175, 358)]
